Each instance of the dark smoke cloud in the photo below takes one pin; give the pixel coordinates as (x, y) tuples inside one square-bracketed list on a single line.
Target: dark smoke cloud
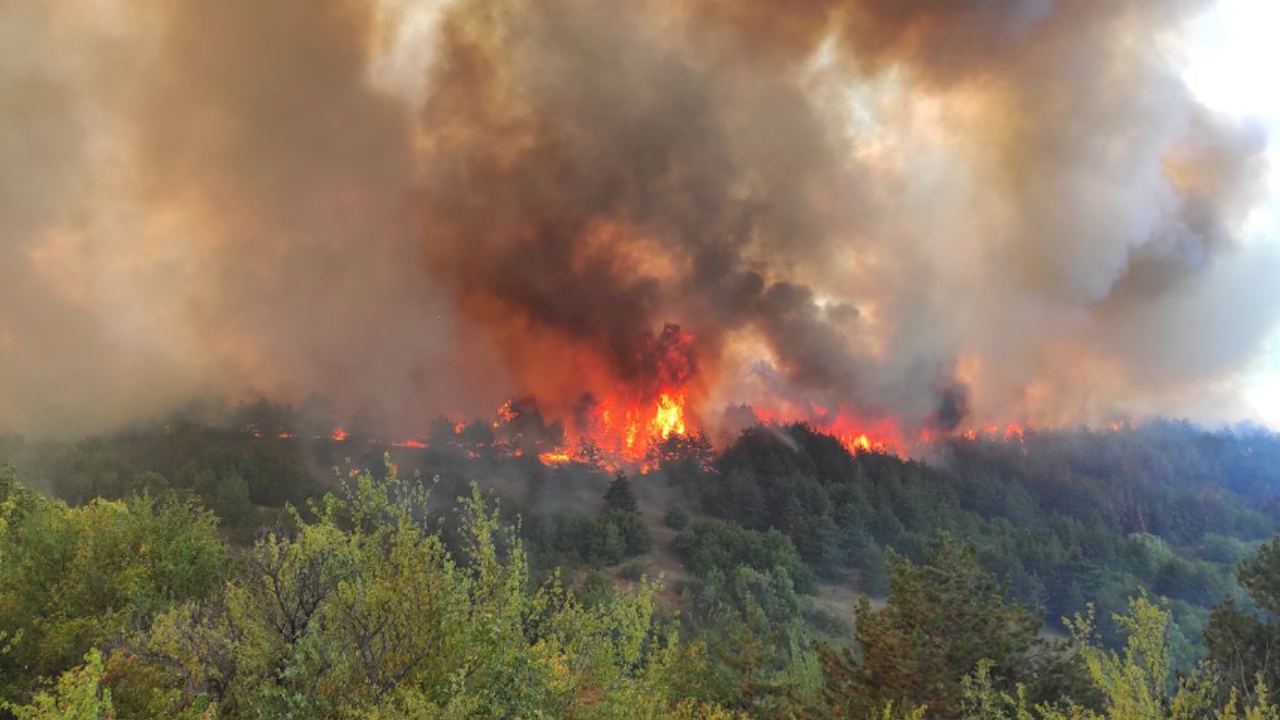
[(656, 177), (925, 209)]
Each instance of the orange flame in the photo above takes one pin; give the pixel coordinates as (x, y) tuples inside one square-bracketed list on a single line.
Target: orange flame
[(339, 435), (505, 415), (558, 457), (670, 415), (625, 427), (857, 434)]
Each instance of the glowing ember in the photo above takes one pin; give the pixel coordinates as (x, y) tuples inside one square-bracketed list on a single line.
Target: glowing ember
[(1011, 432), (559, 457), (505, 415), (339, 435), (416, 444)]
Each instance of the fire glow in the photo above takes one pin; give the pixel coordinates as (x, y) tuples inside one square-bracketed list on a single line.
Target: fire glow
[(857, 432), (626, 427), (647, 416), (616, 436)]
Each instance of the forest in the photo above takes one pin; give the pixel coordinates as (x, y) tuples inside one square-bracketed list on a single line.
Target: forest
[(260, 568)]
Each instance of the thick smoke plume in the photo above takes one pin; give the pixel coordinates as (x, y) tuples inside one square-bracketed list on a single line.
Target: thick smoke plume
[(937, 212)]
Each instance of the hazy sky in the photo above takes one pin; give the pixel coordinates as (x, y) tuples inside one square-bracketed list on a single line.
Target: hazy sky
[(1232, 67)]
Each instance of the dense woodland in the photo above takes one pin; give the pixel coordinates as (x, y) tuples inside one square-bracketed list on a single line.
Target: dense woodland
[(200, 569)]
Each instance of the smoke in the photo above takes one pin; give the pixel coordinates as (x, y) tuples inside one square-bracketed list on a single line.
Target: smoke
[(244, 227), (934, 211)]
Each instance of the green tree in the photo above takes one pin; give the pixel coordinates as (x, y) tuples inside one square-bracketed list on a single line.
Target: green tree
[(1133, 684), (621, 497), (363, 612), (73, 578), (676, 518), (941, 619), (760, 666), (1244, 643), (78, 695)]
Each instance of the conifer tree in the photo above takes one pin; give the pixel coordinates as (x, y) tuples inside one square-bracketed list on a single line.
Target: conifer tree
[(941, 619), (620, 497)]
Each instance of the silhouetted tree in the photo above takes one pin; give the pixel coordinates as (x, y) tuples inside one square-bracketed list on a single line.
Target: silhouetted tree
[(620, 497)]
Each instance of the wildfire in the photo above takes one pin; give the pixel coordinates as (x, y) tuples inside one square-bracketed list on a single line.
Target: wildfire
[(626, 426), (858, 435), (670, 415), (622, 428), (614, 435), (647, 416), (505, 415), (558, 457), (1012, 432)]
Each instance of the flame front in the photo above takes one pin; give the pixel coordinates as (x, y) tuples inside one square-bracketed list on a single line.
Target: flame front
[(616, 436), (669, 419), (858, 433), (629, 427), (624, 427)]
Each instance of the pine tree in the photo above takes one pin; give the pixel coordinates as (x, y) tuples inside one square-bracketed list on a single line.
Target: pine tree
[(747, 651), (941, 619), (621, 497), (1244, 643)]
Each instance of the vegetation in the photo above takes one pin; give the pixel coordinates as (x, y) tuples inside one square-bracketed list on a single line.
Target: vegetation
[(1244, 642), (358, 612), (944, 619), (298, 595)]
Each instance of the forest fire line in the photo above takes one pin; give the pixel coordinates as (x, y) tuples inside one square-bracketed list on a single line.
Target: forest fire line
[(617, 437), (858, 435), (653, 416)]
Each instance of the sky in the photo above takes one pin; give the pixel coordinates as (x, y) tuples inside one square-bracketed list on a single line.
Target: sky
[(1231, 66)]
